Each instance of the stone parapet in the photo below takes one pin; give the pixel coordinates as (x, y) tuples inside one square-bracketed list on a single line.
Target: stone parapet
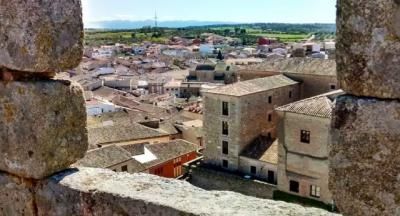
[(42, 127), (368, 47), (16, 196), (365, 162), (102, 192), (40, 36)]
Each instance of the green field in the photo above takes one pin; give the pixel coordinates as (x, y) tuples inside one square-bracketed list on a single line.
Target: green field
[(248, 34), (96, 38)]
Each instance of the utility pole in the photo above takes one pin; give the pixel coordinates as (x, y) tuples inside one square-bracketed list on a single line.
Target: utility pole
[(155, 20)]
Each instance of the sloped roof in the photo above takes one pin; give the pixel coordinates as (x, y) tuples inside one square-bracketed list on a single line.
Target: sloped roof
[(104, 157), (319, 106), (121, 133), (253, 86), (262, 149), (169, 150), (310, 66), (205, 67), (135, 149)]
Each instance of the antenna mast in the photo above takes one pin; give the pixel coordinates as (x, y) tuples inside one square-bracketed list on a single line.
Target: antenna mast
[(155, 20)]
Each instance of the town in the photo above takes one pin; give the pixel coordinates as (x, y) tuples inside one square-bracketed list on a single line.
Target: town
[(257, 114), (272, 110)]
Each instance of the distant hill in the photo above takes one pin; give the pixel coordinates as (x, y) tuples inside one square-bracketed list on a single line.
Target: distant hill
[(126, 24)]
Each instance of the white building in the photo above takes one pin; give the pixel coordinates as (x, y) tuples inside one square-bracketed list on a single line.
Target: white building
[(173, 88), (206, 49), (103, 52), (96, 107)]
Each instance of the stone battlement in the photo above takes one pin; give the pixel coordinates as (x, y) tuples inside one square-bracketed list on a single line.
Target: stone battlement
[(91, 191)]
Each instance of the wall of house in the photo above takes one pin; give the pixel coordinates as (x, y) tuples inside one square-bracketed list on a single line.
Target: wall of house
[(305, 163), (312, 85), (212, 128), (248, 119), (192, 134), (129, 164), (262, 168), (172, 168)]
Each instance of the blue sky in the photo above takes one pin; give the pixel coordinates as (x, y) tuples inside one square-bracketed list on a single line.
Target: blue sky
[(286, 11)]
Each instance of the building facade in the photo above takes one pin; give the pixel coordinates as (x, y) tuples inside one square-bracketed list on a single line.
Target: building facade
[(304, 139), (237, 114), (317, 76)]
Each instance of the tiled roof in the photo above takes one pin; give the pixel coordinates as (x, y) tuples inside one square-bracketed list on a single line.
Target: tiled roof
[(135, 149), (253, 86), (169, 150), (319, 106), (121, 133), (309, 66), (104, 157)]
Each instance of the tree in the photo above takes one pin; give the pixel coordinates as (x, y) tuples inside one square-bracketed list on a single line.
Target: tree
[(243, 31), (133, 35), (220, 56), (226, 32), (237, 30)]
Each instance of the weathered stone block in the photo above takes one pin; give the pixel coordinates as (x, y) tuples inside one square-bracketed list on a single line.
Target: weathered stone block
[(40, 36), (103, 192), (16, 196), (364, 157), (42, 127), (368, 47)]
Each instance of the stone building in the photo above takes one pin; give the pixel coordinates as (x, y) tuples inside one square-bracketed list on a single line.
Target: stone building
[(213, 73), (162, 159), (260, 160), (304, 139), (236, 115), (317, 76)]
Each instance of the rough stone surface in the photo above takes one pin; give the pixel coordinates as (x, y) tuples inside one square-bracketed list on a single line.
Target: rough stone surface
[(368, 47), (16, 197), (364, 157), (42, 127), (40, 36), (102, 192)]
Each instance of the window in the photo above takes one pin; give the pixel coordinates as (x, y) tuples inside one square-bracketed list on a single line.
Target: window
[(305, 136), (253, 170), (270, 117), (294, 186), (224, 163), (270, 99), (333, 87), (290, 94), (315, 191), (225, 128), (271, 177), (225, 108), (124, 168), (225, 147)]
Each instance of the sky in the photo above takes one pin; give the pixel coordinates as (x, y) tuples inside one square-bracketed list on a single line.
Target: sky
[(241, 11)]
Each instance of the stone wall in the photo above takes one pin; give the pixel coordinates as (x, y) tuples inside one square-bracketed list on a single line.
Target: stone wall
[(364, 157), (307, 164), (210, 179), (247, 120), (101, 192), (317, 76)]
